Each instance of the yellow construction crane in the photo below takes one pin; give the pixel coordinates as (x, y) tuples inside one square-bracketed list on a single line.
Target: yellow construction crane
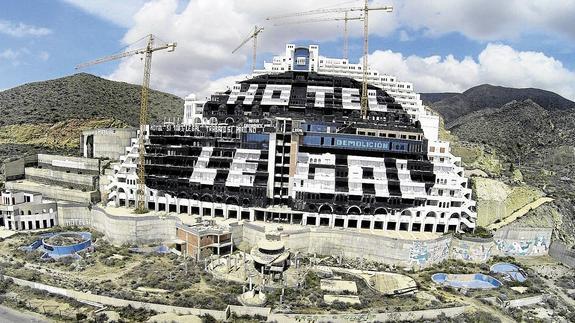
[(254, 34), (147, 52), (345, 19), (365, 9)]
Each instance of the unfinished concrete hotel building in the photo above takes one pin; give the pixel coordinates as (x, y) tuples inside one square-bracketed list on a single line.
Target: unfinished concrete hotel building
[(292, 146)]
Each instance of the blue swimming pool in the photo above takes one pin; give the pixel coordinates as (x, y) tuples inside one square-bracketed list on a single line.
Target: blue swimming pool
[(510, 271), (471, 281)]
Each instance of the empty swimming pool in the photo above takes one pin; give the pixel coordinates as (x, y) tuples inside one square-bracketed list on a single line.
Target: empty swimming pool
[(472, 281), (510, 271)]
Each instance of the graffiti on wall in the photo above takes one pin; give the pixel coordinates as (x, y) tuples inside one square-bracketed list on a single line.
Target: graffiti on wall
[(528, 247), (469, 251), (422, 253)]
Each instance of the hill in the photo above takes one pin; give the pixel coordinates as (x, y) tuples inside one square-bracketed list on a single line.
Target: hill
[(530, 132), (429, 98), (49, 116), (82, 96), (488, 96)]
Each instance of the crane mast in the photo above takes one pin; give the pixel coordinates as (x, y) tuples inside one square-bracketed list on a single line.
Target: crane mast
[(144, 101), (254, 35), (141, 188), (364, 102)]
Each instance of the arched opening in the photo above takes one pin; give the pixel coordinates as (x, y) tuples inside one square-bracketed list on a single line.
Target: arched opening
[(431, 215), (406, 212), (29, 212), (197, 120), (51, 210), (354, 209), (339, 209), (206, 198), (232, 200), (195, 196), (182, 195), (121, 190), (367, 210), (312, 207), (219, 199), (213, 120), (380, 210), (325, 209), (245, 202), (229, 120), (454, 216)]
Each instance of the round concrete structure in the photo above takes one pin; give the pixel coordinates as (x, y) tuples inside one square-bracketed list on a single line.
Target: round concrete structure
[(66, 243), (270, 255)]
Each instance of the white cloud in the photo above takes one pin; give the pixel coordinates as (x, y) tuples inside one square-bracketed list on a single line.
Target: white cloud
[(488, 19), (497, 64), (208, 30), (9, 54), (119, 12), (21, 29), (43, 55), (22, 56)]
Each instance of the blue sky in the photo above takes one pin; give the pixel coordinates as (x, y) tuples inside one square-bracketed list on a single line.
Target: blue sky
[(438, 45)]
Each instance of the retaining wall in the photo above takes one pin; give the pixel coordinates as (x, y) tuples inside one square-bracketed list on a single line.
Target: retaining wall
[(407, 253), (370, 317), (561, 253), (62, 178), (138, 229)]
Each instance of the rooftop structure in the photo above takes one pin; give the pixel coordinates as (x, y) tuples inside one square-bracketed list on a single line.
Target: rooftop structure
[(270, 256)]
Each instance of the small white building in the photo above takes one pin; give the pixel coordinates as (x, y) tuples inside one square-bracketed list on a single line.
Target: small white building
[(22, 211), (193, 110)]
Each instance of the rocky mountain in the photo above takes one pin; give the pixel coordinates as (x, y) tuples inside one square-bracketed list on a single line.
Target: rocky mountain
[(488, 96), (82, 96), (532, 134), (49, 116), (430, 98)]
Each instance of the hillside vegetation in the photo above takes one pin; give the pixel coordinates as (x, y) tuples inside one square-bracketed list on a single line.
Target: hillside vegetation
[(82, 96), (49, 116)]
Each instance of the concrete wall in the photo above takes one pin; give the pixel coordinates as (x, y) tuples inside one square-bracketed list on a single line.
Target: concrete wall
[(66, 162), (129, 229), (108, 143), (74, 214), (407, 253), (474, 250), (137, 229), (370, 317), (54, 192), (62, 178), (517, 241), (561, 253), (12, 170)]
